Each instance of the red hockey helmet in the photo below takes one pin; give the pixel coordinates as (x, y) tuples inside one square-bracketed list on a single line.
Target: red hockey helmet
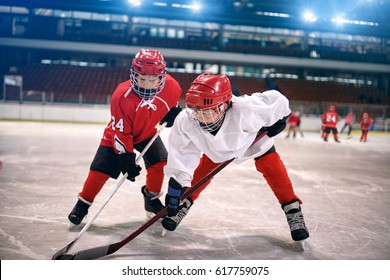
[(148, 63), (209, 90), (207, 100), (332, 108), (365, 115)]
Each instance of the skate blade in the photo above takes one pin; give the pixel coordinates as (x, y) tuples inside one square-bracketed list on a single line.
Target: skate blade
[(301, 245), (163, 232), (72, 226), (149, 215)]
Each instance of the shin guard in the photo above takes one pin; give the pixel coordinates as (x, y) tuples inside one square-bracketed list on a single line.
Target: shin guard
[(155, 176), (205, 166), (275, 173), (93, 184)]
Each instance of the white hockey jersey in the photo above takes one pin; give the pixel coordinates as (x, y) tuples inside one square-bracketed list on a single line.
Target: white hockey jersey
[(239, 129)]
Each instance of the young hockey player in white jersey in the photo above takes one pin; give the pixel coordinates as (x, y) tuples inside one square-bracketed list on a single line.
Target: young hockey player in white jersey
[(216, 127)]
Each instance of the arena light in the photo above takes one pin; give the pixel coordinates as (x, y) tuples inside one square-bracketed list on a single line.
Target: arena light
[(309, 17), (271, 14), (340, 20), (136, 3), (194, 6), (160, 4)]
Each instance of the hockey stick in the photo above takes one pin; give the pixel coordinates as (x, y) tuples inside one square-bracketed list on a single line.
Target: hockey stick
[(98, 252), (124, 177)]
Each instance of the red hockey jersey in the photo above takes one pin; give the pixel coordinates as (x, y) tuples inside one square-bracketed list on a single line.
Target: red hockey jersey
[(293, 120), (134, 119), (365, 123), (330, 119)]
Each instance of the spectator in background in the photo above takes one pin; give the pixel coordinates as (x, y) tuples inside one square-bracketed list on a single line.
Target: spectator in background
[(348, 124), (236, 91), (329, 121), (271, 84), (365, 125)]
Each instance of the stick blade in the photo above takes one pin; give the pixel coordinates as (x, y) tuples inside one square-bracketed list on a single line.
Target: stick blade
[(63, 257), (63, 251), (92, 254)]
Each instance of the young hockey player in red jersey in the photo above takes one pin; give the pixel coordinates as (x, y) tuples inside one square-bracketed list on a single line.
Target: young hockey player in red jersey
[(293, 124), (329, 121), (216, 127), (365, 125), (137, 106), (348, 124)]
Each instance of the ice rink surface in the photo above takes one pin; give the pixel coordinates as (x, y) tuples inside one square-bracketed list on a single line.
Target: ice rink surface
[(344, 187)]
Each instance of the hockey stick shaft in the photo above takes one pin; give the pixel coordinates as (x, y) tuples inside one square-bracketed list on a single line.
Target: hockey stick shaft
[(115, 189), (98, 252)]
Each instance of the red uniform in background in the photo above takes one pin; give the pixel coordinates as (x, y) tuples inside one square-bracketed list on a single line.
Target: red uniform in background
[(365, 125), (348, 123), (293, 124), (329, 121)]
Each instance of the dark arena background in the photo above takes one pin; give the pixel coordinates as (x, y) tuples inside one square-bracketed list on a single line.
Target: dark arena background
[(62, 60)]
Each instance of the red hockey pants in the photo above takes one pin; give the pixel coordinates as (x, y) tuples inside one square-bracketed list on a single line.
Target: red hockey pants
[(270, 165)]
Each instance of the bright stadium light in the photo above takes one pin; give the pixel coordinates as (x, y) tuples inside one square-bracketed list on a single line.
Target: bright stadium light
[(135, 2), (196, 7), (339, 20), (309, 17), (161, 4)]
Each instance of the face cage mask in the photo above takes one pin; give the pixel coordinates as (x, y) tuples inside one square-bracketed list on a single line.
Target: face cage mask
[(218, 109), (145, 93)]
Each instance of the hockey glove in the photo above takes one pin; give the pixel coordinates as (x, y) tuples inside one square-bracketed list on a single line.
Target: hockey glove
[(127, 165), (172, 198), (277, 127), (170, 117)]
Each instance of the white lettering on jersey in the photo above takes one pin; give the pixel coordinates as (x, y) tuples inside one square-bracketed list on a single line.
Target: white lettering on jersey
[(119, 125)]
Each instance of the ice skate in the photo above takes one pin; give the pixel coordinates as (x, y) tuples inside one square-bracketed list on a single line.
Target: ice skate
[(163, 232), (171, 223), (296, 222), (153, 204), (79, 211), (337, 140)]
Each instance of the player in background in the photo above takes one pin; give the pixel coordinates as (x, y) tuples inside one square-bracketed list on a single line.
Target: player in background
[(298, 128), (322, 130), (216, 127), (329, 121), (365, 125), (137, 105), (348, 124), (293, 124)]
